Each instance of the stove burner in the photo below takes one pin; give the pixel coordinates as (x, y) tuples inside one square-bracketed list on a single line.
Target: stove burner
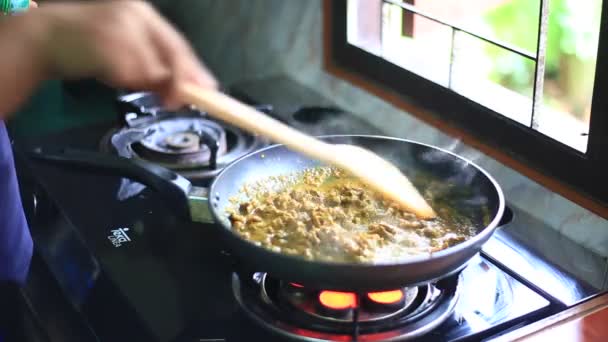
[(339, 306), (292, 310), (182, 143), (186, 141)]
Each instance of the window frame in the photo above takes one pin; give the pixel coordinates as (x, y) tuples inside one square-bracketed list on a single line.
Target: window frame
[(526, 147)]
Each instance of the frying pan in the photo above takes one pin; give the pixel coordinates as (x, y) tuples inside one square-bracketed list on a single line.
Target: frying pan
[(463, 186)]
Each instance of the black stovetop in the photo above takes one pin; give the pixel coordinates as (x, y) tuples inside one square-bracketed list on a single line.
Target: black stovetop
[(171, 281)]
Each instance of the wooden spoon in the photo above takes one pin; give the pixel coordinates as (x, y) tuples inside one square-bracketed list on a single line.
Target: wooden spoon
[(370, 168)]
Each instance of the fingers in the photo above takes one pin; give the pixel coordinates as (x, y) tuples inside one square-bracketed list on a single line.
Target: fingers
[(137, 67), (182, 61), (135, 62), (125, 44), (165, 60)]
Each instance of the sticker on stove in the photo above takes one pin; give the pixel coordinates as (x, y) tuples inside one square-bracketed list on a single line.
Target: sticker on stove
[(119, 237)]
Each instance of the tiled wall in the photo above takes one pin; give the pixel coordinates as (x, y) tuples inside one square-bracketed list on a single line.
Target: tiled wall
[(245, 39)]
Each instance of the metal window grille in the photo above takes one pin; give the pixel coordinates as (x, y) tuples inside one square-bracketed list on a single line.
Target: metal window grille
[(538, 57)]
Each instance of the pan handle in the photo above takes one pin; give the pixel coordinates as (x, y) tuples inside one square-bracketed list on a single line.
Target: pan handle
[(173, 187)]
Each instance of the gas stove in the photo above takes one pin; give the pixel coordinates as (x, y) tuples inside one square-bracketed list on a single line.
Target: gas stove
[(123, 268)]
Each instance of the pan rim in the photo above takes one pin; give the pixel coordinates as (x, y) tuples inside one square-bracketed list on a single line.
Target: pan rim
[(487, 231)]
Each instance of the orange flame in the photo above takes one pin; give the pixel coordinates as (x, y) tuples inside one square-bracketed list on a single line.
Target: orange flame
[(386, 297), (338, 300)]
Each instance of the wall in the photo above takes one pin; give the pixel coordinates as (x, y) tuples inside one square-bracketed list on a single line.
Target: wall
[(245, 39)]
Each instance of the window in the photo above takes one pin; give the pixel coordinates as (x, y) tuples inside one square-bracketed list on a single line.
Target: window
[(489, 51), (521, 75)]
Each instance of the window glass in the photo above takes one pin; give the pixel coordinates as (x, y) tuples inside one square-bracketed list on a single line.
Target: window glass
[(486, 50)]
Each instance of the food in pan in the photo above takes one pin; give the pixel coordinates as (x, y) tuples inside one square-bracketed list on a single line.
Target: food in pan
[(324, 214)]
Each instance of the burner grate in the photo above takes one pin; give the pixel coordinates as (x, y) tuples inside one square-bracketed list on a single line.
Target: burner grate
[(151, 143), (311, 302), (259, 297), (187, 141)]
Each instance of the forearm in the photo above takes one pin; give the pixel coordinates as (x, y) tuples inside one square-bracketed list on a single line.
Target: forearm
[(124, 44), (20, 61)]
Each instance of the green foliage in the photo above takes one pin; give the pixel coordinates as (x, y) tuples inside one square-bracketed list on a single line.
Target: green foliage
[(572, 33)]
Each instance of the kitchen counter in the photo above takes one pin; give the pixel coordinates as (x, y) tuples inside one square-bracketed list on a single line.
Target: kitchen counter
[(583, 323)]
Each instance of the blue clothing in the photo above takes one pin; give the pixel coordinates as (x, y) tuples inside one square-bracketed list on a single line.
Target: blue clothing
[(15, 241)]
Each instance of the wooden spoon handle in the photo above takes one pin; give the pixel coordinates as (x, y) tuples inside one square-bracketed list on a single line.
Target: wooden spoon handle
[(370, 168), (227, 109)]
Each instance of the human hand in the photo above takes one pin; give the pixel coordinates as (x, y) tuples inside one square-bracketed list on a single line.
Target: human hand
[(125, 44)]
